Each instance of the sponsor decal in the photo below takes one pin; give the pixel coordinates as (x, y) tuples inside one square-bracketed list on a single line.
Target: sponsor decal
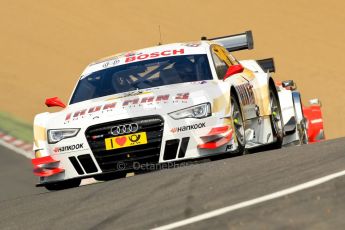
[(132, 53), (112, 59), (228, 148), (130, 57), (111, 63), (132, 93), (192, 44), (246, 93), (126, 141), (68, 148), (188, 127), (198, 82), (180, 97), (95, 137)]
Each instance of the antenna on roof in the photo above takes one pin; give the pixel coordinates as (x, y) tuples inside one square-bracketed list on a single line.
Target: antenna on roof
[(160, 35)]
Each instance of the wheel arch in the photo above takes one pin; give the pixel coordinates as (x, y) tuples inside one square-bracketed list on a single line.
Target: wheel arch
[(272, 84), (234, 91)]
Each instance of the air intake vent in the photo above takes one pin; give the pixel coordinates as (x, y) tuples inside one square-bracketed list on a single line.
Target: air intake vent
[(76, 165), (183, 147), (171, 147), (87, 163)]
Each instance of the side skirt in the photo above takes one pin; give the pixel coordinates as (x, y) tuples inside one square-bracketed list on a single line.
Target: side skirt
[(258, 132)]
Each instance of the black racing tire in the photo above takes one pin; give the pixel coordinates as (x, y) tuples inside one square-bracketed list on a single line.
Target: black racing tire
[(63, 185), (303, 132), (276, 118), (110, 176), (236, 112), (301, 126), (238, 123)]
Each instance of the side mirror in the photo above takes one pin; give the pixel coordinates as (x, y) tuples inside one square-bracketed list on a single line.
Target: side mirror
[(54, 101), (234, 69), (289, 85)]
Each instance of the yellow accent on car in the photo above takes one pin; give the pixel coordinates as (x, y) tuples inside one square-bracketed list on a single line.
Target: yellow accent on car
[(125, 141), (38, 154), (40, 134)]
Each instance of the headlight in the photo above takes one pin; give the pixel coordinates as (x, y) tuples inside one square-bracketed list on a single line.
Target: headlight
[(56, 135), (198, 111)]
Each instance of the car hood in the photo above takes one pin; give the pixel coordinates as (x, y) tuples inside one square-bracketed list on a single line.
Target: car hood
[(161, 101)]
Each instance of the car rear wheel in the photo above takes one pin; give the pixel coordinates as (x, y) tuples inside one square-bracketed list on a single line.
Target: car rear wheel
[(63, 185), (301, 126), (303, 132)]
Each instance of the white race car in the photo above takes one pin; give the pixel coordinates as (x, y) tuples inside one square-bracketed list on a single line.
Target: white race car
[(162, 104)]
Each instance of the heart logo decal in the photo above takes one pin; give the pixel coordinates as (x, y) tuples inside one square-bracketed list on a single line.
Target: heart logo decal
[(121, 140)]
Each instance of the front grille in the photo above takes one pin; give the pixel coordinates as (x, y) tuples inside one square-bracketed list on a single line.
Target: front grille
[(126, 158)]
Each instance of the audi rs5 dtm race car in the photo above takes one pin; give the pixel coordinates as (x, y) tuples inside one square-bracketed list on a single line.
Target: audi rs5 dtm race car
[(162, 104)]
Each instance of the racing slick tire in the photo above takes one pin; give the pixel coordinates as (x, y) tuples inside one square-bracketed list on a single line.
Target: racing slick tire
[(303, 132), (110, 176), (238, 124), (301, 120), (63, 185), (239, 133), (276, 118)]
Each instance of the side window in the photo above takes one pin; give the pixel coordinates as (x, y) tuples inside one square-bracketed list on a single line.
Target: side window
[(221, 65)]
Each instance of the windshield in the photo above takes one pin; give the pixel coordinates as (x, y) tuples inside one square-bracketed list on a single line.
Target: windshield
[(142, 75)]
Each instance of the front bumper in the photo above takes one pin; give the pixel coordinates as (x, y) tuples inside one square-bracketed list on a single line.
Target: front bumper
[(168, 140)]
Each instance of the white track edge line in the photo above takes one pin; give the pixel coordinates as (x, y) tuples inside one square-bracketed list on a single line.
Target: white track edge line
[(221, 211), (15, 149)]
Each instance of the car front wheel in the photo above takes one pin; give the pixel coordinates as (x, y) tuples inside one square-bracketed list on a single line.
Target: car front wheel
[(276, 118), (238, 123)]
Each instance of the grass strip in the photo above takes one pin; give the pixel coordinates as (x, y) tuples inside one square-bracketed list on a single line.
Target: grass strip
[(15, 127)]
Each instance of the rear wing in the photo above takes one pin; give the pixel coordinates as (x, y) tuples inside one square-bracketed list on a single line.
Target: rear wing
[(235, 42)]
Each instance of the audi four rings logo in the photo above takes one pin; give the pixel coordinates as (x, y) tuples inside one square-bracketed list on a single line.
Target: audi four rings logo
[(124, 129)]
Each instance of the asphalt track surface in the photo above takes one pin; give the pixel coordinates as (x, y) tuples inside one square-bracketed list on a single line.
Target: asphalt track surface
[(166, 196)]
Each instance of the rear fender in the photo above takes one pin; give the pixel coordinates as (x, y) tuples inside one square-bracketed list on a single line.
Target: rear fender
[(266, 106)]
